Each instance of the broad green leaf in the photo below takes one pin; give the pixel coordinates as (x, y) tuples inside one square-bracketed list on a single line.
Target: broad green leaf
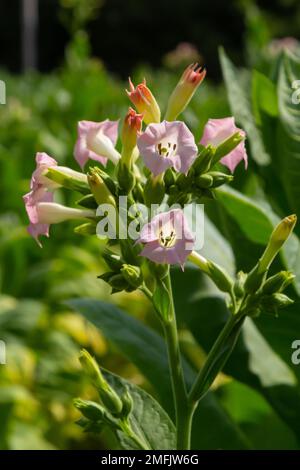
[(288, 137), (147, 418), (264, 96), (257, 222), (241, 109), (146, 349)]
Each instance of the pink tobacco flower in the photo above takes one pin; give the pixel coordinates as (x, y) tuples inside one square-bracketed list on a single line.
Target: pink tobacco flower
[(144, 101), (31, 201), (217, 131), (42, 212), (167, 238), (43, 162), (168, 144), (96, 141)]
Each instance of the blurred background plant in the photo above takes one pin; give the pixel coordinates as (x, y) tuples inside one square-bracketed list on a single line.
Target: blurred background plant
[(256, 404)]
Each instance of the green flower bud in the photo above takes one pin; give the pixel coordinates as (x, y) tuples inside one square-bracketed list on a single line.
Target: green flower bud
[(87, 201), (278, 282), (238, 287), (125, 177), (271, 303), (108, 396), (204, 181), (183, 182), (219, 178), (138, 192), (154, 190), (132, 274), (220, 277), (169, 177), (227, 146), (110, 183), (113, 261), (99, 189), (89, 409), (254, 280), (203, 162), (127, 404), (277, 239), (86, 229)]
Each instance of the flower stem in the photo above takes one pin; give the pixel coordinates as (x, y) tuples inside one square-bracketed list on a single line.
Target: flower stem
[(183, 410), (217, 357)]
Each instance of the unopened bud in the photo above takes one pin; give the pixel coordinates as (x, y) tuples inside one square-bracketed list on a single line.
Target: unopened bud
[(278, 282), (132, 274), (131, 127), (275, 301), (204, 181), (127, 404), (144, 102), (219, 178), (227, 146), (203, 162), (190, 80), (238, 287), (89, 409), (113, 261), (99, 189), (169, 177), (126, 177), (220, 277), (108, 396), (154, 190)]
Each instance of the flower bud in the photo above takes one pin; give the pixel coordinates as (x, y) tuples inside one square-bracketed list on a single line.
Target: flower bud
[(89, 409), (191, 78), (220, 277), (275, 301), (127, 404), (113, 261), (68, 178), (108, 396), (99, 189), (131, 127), (219, 178), (227, 146), (125, 175), (132, 274), (278, 282), (238, 287), (169, 177), (144, 102), (203, 162), (204, 181), (154, 190), (277, 239)]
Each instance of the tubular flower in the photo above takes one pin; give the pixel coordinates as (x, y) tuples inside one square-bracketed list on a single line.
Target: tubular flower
[(42, 212), (217, 131), (168, 144), (167, 238), (131, 128), (190, 80), (96, 141), (144, 101)]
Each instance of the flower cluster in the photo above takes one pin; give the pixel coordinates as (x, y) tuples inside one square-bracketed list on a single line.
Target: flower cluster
[(177, 169)]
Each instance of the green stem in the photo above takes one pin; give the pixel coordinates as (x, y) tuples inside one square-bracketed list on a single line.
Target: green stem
[(217, 357), (183, 410)]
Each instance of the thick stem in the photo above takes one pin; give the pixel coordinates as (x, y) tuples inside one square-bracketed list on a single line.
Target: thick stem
[(183, 410), (217, 357)]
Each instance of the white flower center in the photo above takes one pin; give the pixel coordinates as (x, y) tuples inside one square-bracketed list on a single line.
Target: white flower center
[(167, 238), (166, 149)]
